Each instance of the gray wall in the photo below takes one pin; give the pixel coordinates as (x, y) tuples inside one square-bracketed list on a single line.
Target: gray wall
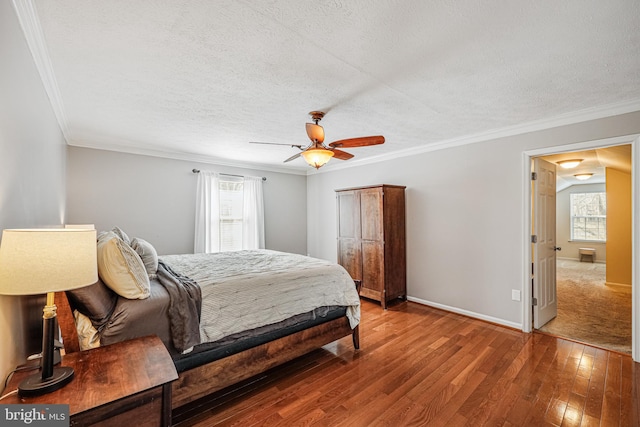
[(563, 224), (32, 180), (465, 217), (154, 198)]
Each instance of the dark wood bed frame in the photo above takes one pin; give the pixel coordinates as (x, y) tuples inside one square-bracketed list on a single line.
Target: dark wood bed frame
[(206, 379)]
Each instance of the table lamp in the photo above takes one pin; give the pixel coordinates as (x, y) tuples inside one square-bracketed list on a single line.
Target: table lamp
[(45, 261)]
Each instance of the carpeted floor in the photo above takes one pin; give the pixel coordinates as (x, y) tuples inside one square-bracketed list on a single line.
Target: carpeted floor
[(588, 310)]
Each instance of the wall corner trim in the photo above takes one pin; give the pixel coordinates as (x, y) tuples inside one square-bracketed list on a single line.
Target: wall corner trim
[(30, 23)]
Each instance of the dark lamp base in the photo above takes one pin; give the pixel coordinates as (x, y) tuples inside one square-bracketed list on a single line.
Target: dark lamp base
[(34, 385)]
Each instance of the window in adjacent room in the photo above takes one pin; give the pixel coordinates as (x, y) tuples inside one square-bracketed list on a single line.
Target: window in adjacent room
[(589, 216)]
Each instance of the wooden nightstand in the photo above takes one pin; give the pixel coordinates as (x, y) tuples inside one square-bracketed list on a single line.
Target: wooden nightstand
[(128, 383)]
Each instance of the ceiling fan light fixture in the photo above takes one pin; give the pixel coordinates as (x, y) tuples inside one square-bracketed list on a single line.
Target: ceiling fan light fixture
[(317, 157), (583, 176), (317, 154), (569, 164), (315, 132)]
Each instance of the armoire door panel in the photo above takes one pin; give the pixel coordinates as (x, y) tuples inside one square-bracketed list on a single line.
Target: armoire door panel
[(371, 214), (373, 265), (350, 257), (348, 219)]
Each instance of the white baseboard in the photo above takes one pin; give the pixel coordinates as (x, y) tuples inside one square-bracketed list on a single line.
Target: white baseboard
[(598, 261), (467, 313), (624, 285)]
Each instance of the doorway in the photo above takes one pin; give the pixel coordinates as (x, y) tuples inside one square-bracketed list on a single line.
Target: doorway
[(593, 306), (633, 141)]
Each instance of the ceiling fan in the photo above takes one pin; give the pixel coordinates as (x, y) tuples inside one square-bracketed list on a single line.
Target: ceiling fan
[(317, 154)]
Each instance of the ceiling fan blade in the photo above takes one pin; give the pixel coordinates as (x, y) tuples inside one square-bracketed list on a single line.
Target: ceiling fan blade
[(358, 142), (315, 132), (295, 156), (276, 143), (341, 155)]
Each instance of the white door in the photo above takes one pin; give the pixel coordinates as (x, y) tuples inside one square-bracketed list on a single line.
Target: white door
[(544, 248)]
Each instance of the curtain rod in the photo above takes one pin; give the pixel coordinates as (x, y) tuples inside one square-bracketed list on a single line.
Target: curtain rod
[(264, 178)]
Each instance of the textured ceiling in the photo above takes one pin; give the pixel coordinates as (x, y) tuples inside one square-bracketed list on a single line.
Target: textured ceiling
[(203, 78)]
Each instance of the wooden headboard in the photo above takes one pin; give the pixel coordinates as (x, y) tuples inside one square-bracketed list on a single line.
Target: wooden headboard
[(67, 324)]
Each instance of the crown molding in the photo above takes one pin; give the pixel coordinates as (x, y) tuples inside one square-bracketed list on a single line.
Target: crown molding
[(584, 115), (189, 157), (30, 23)]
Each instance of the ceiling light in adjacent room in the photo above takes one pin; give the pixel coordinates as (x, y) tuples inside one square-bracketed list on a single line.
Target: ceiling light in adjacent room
[(317, 157), (583, 176), (569, 164)]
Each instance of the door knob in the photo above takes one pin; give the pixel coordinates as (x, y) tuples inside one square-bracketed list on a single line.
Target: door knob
[(557, 248)]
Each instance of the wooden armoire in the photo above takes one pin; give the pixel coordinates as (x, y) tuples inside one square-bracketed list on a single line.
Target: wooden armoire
[(371, 240)]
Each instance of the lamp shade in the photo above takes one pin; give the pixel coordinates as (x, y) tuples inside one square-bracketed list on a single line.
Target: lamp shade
[(317, 157), (38, 261), (85, 226)]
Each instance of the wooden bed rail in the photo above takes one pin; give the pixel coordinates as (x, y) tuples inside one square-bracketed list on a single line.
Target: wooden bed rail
[(206, 379), (214, 376)]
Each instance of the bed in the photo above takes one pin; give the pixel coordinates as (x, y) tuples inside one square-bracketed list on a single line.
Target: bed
[(223, 317)]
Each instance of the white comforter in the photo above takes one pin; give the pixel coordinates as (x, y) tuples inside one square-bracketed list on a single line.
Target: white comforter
[(247, 289)]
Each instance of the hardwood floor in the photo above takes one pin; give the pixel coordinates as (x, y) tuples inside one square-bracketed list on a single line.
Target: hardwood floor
[(420, 366)]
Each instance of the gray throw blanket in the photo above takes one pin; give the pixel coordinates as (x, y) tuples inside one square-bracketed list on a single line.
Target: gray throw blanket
[(185, 305)]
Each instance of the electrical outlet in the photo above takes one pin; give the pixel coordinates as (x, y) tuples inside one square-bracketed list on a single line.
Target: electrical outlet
[(515, 295)]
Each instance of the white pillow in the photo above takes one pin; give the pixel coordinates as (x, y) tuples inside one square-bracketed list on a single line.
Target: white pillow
[(148, 254), (121, 234), (88, 336), (121, 269)]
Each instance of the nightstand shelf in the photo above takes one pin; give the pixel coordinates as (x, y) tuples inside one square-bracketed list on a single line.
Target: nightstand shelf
[(128, 383)]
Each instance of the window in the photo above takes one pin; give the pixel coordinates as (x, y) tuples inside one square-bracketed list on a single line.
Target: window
[(229, 213), (589, 216), (231, 201)]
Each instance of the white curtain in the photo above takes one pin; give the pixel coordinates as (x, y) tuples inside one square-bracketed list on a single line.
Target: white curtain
[(207, 237), (253, 214), (207, 222)]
